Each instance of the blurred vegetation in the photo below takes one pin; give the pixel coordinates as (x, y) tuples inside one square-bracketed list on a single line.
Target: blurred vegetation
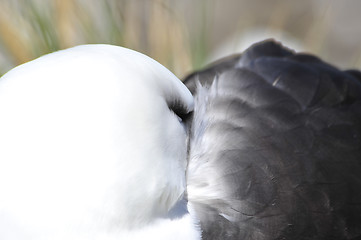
[(182, 35), (30, 28)]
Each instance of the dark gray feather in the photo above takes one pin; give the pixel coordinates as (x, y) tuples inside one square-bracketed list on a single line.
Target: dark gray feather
[(277, 137)]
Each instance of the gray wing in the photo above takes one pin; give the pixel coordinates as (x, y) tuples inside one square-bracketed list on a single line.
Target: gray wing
[(275, 147)]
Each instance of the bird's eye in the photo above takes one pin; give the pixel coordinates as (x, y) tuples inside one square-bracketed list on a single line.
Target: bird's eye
[(183, 117), (180, 111)]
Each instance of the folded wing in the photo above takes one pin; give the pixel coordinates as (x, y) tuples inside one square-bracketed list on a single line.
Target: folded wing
[(275, 147)]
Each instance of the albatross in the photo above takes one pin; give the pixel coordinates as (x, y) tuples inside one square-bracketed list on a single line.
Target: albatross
[(102, 142)]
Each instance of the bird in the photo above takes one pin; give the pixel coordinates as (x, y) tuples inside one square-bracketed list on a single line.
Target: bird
[(102, 142)]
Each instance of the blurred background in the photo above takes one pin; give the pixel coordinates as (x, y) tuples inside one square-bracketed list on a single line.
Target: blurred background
[(183, 35)]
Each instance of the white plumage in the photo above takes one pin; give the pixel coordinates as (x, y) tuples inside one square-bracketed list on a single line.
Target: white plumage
[(90, 147)]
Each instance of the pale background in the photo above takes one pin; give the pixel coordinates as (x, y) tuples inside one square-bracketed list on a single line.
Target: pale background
[(183, 35)]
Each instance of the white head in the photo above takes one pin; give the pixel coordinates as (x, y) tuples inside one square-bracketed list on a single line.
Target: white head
[(89, 143)]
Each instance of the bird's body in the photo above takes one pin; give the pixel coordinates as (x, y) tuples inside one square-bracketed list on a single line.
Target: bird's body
[(93, 145)]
